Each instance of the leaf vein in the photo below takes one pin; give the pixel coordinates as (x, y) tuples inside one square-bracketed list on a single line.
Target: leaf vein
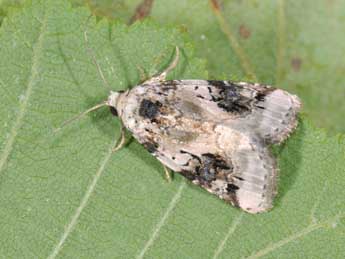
[(162, 221), (83, 203), (24, 104), (231, 230), (304, 232), (316, 204)]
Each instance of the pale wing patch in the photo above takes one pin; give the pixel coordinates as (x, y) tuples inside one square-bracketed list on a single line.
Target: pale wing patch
[(274, 117), (254, 171)]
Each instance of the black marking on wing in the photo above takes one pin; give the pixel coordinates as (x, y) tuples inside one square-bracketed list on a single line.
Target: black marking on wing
[(238, 177), (161, 93), (218, 83), (229, 98), (195, 157), (151, 146), (232, 187), (170, 85), (231, 101), (149, 109), (211, 166), (261, 96), (207, 167)]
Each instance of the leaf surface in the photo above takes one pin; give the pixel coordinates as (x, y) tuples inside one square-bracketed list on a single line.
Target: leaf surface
[(66, 195)]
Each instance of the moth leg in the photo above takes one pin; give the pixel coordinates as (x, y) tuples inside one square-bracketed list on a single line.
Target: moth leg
[(167, 173), (161, 77), (122, 141)]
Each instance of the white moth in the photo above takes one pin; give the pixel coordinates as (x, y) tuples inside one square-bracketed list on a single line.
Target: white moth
[(215, 133)]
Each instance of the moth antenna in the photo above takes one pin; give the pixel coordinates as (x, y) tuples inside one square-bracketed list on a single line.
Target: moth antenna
[(161, 77), (172, 65), (77, 117), (175, 61), (93, 56)]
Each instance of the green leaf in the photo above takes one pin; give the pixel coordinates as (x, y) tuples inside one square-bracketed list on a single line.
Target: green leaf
[(67, 195), (294, 45), (5, 5)]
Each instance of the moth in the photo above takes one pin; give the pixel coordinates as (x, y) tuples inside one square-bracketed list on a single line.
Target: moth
[(215, 133)]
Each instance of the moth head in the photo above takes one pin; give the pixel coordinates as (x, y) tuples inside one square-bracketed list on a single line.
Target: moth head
[(113, 101)]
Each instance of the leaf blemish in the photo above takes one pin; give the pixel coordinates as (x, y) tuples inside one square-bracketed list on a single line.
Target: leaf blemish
[(296, 64), (244, 31)]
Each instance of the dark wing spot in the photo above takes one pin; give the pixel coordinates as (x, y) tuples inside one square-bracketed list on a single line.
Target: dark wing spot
[(231, 101), (164, 94), (217, 83), (229, 98), (151, 146), (232, 188), (149, 109), (207, 171), (207, 167), (238, 177), (192, 155), (260, 97), (211, 166)]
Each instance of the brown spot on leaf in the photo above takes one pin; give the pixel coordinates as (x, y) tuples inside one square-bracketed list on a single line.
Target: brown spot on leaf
[(330, 2), (103, 9), (244, 31), (215, 5), (143, 10), (296, 64)]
